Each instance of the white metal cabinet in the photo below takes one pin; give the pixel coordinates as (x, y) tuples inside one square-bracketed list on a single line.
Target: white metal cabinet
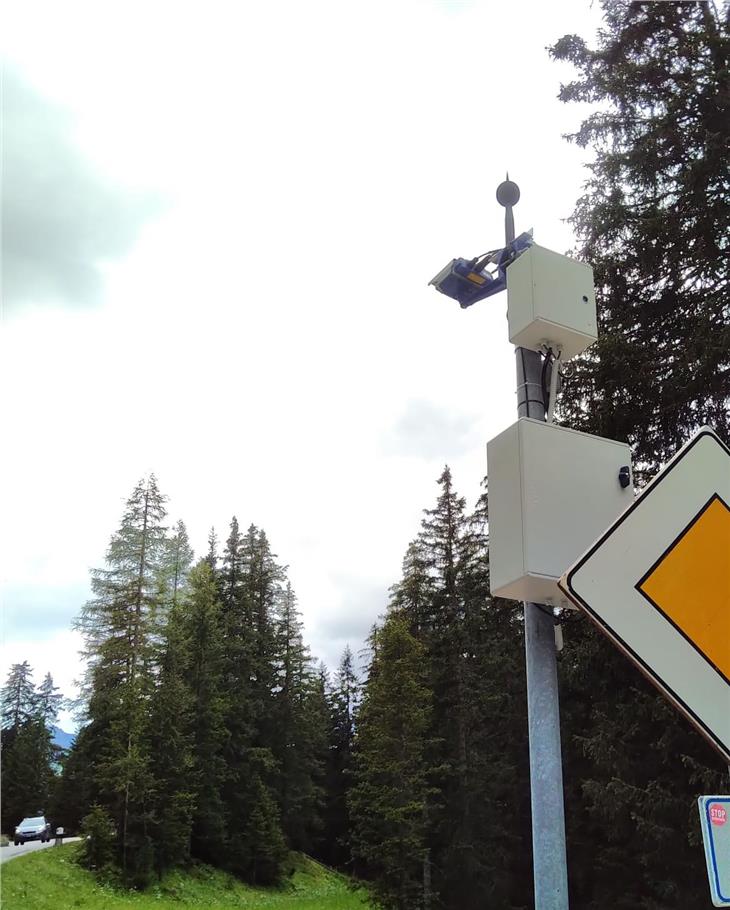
[(552, 492), (551, 300)]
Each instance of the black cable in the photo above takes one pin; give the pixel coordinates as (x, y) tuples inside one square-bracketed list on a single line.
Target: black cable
[(549, 358)]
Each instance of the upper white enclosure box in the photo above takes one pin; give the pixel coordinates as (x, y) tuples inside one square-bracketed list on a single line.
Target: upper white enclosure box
[(551, 301), (552, 493)]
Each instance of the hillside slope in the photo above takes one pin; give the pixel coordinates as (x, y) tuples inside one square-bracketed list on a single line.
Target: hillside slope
[(51, 879)]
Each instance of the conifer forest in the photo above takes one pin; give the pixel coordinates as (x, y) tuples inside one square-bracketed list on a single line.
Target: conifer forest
[(210, 733)]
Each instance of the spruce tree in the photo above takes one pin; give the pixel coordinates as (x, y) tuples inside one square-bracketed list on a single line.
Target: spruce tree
[(264, 583), (653, 222), (494, 868), (343, 701), (299, 728), (388, 799), (27, 776), (413, 594), (449, 812), (309, 832), (170, 743), (231, 576), (211, 556), (261, 855), (239, 717), (204, 674), (476, 811), (180, 559), (49, 701), (250, 586), (18, 697), (28, 754)]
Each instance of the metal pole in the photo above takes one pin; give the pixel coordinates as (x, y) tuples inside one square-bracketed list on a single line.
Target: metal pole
[(549, 864)]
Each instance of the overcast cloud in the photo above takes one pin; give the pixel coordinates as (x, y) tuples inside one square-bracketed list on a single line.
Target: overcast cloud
[(427, 431), (266, 342), (60, 219)]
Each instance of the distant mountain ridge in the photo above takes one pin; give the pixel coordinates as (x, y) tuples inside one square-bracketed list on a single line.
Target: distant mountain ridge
[(61, 738)]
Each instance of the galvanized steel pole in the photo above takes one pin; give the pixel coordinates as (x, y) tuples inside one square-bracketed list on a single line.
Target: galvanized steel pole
[(549, 864)]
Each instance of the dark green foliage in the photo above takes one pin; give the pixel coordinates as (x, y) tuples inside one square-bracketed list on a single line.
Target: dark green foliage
[(28, 754), (179, 560), (204, 636), (206, 721), (654, 222), (263, 588), (299, 729), (475, 821), (26, 775), (633, 771), (211, 556), (343, 701), (312, 743), (171, 751), (75, 790), (48, 701), (248, 593), (388, 801), (475, 650), (18, 696), (263, 851), (99, 841)]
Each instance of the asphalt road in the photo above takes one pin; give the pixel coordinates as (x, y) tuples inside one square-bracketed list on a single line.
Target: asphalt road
[(11, 851)]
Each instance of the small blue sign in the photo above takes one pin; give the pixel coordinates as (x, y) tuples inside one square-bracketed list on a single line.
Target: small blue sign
[(715, 821)]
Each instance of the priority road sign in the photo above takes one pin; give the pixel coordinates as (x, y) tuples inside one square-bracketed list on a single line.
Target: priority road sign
[(715, 821), (657, 583)]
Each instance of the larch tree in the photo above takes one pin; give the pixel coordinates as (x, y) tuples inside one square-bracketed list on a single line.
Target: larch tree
[(120, 626)]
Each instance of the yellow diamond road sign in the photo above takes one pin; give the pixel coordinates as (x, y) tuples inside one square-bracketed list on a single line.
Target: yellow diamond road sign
[(658, 584)]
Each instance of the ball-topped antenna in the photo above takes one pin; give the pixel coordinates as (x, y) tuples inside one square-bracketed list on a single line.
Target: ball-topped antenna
[(508, 195)]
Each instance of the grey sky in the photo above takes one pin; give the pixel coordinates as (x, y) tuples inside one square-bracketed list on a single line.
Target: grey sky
[(427, 431), (60, 220), (266, 342)]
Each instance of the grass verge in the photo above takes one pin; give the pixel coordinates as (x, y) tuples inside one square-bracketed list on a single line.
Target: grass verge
[(50, 880)]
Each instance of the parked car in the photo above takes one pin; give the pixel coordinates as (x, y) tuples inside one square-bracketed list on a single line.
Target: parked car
[(36, 828)]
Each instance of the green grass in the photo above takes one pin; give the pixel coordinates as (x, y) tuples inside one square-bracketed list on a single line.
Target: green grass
[(51, 880)]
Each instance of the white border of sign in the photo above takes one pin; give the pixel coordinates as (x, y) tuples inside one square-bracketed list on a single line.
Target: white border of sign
[(713, 874), (604, 583)]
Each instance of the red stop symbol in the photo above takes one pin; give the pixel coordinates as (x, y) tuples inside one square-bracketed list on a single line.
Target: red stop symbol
[(718, 815)]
